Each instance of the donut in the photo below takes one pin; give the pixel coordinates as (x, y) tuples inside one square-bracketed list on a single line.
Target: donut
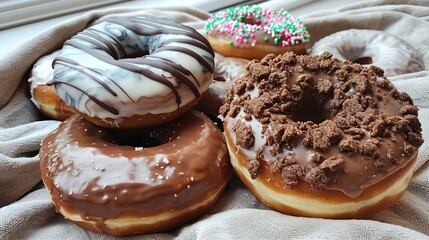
[(317, 137), (251, 32), (227, 69), (130, 72), (371, 47), (43, 96), (125, 182)]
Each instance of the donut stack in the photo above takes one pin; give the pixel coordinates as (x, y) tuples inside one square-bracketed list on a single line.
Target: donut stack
[(134, 159), (309, 136)]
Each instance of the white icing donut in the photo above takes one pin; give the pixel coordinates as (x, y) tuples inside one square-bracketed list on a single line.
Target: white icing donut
[(43, 96), (96, 73), (41, 73), (372, 47)]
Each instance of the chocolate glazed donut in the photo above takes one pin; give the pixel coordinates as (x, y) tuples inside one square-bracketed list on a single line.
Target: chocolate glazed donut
[(94, 73), (136, 181)]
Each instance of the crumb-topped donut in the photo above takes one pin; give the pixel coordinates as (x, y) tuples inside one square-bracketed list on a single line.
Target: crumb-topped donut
[(372, 47), (136, 181), (314, 136), (251, 32), (133, 71), (43, 96)]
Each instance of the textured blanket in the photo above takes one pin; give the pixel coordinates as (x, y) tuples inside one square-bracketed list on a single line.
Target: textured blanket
[(26, 210)]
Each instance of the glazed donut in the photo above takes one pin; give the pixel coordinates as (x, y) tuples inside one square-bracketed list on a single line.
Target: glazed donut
[(138, 181), (314, 136), (372, 47), (43, 96), (251, 32), (94, 73), (227, 69)]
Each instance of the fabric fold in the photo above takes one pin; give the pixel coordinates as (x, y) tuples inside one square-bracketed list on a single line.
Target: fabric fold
[(26, 211)]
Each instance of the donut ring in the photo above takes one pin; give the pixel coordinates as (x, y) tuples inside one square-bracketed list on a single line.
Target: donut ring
[(371, 47), (114, 182), (226, 71), (94, 74), (43, 96), (314, 136), (251, 32)]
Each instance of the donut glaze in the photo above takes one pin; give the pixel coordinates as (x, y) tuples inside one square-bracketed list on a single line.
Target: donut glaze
[(250, 31), (138, 181), (96, 74), (314, 136), (43, 96), (372, 47), (226, 71)]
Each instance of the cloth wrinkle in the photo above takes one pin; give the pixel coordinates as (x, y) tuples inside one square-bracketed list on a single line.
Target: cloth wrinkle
[(27, 212)]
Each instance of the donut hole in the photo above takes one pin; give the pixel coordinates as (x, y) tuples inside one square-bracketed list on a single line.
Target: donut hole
[(146, 138), (251, 21), (363, 60), (311, 108)]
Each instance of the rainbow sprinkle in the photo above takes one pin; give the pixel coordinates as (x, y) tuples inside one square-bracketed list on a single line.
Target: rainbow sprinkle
[(252, 24)]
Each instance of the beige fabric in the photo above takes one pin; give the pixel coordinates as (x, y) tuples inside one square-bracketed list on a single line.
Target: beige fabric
[(27, 212)]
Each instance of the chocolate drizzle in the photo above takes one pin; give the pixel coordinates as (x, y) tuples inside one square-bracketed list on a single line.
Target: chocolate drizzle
[(195, 55), (176, 71), (73, 64), (133, 68), (108, 46), (111, 40), (112, 47)]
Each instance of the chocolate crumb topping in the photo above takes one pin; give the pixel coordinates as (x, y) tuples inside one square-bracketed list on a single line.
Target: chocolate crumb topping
[(326, 135), (253, 166), (332, 163), (244, 135), (317, 178), (320, 120)]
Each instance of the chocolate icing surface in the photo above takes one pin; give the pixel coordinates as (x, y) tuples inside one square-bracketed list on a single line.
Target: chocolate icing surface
[(336, 125), (106, 174)]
